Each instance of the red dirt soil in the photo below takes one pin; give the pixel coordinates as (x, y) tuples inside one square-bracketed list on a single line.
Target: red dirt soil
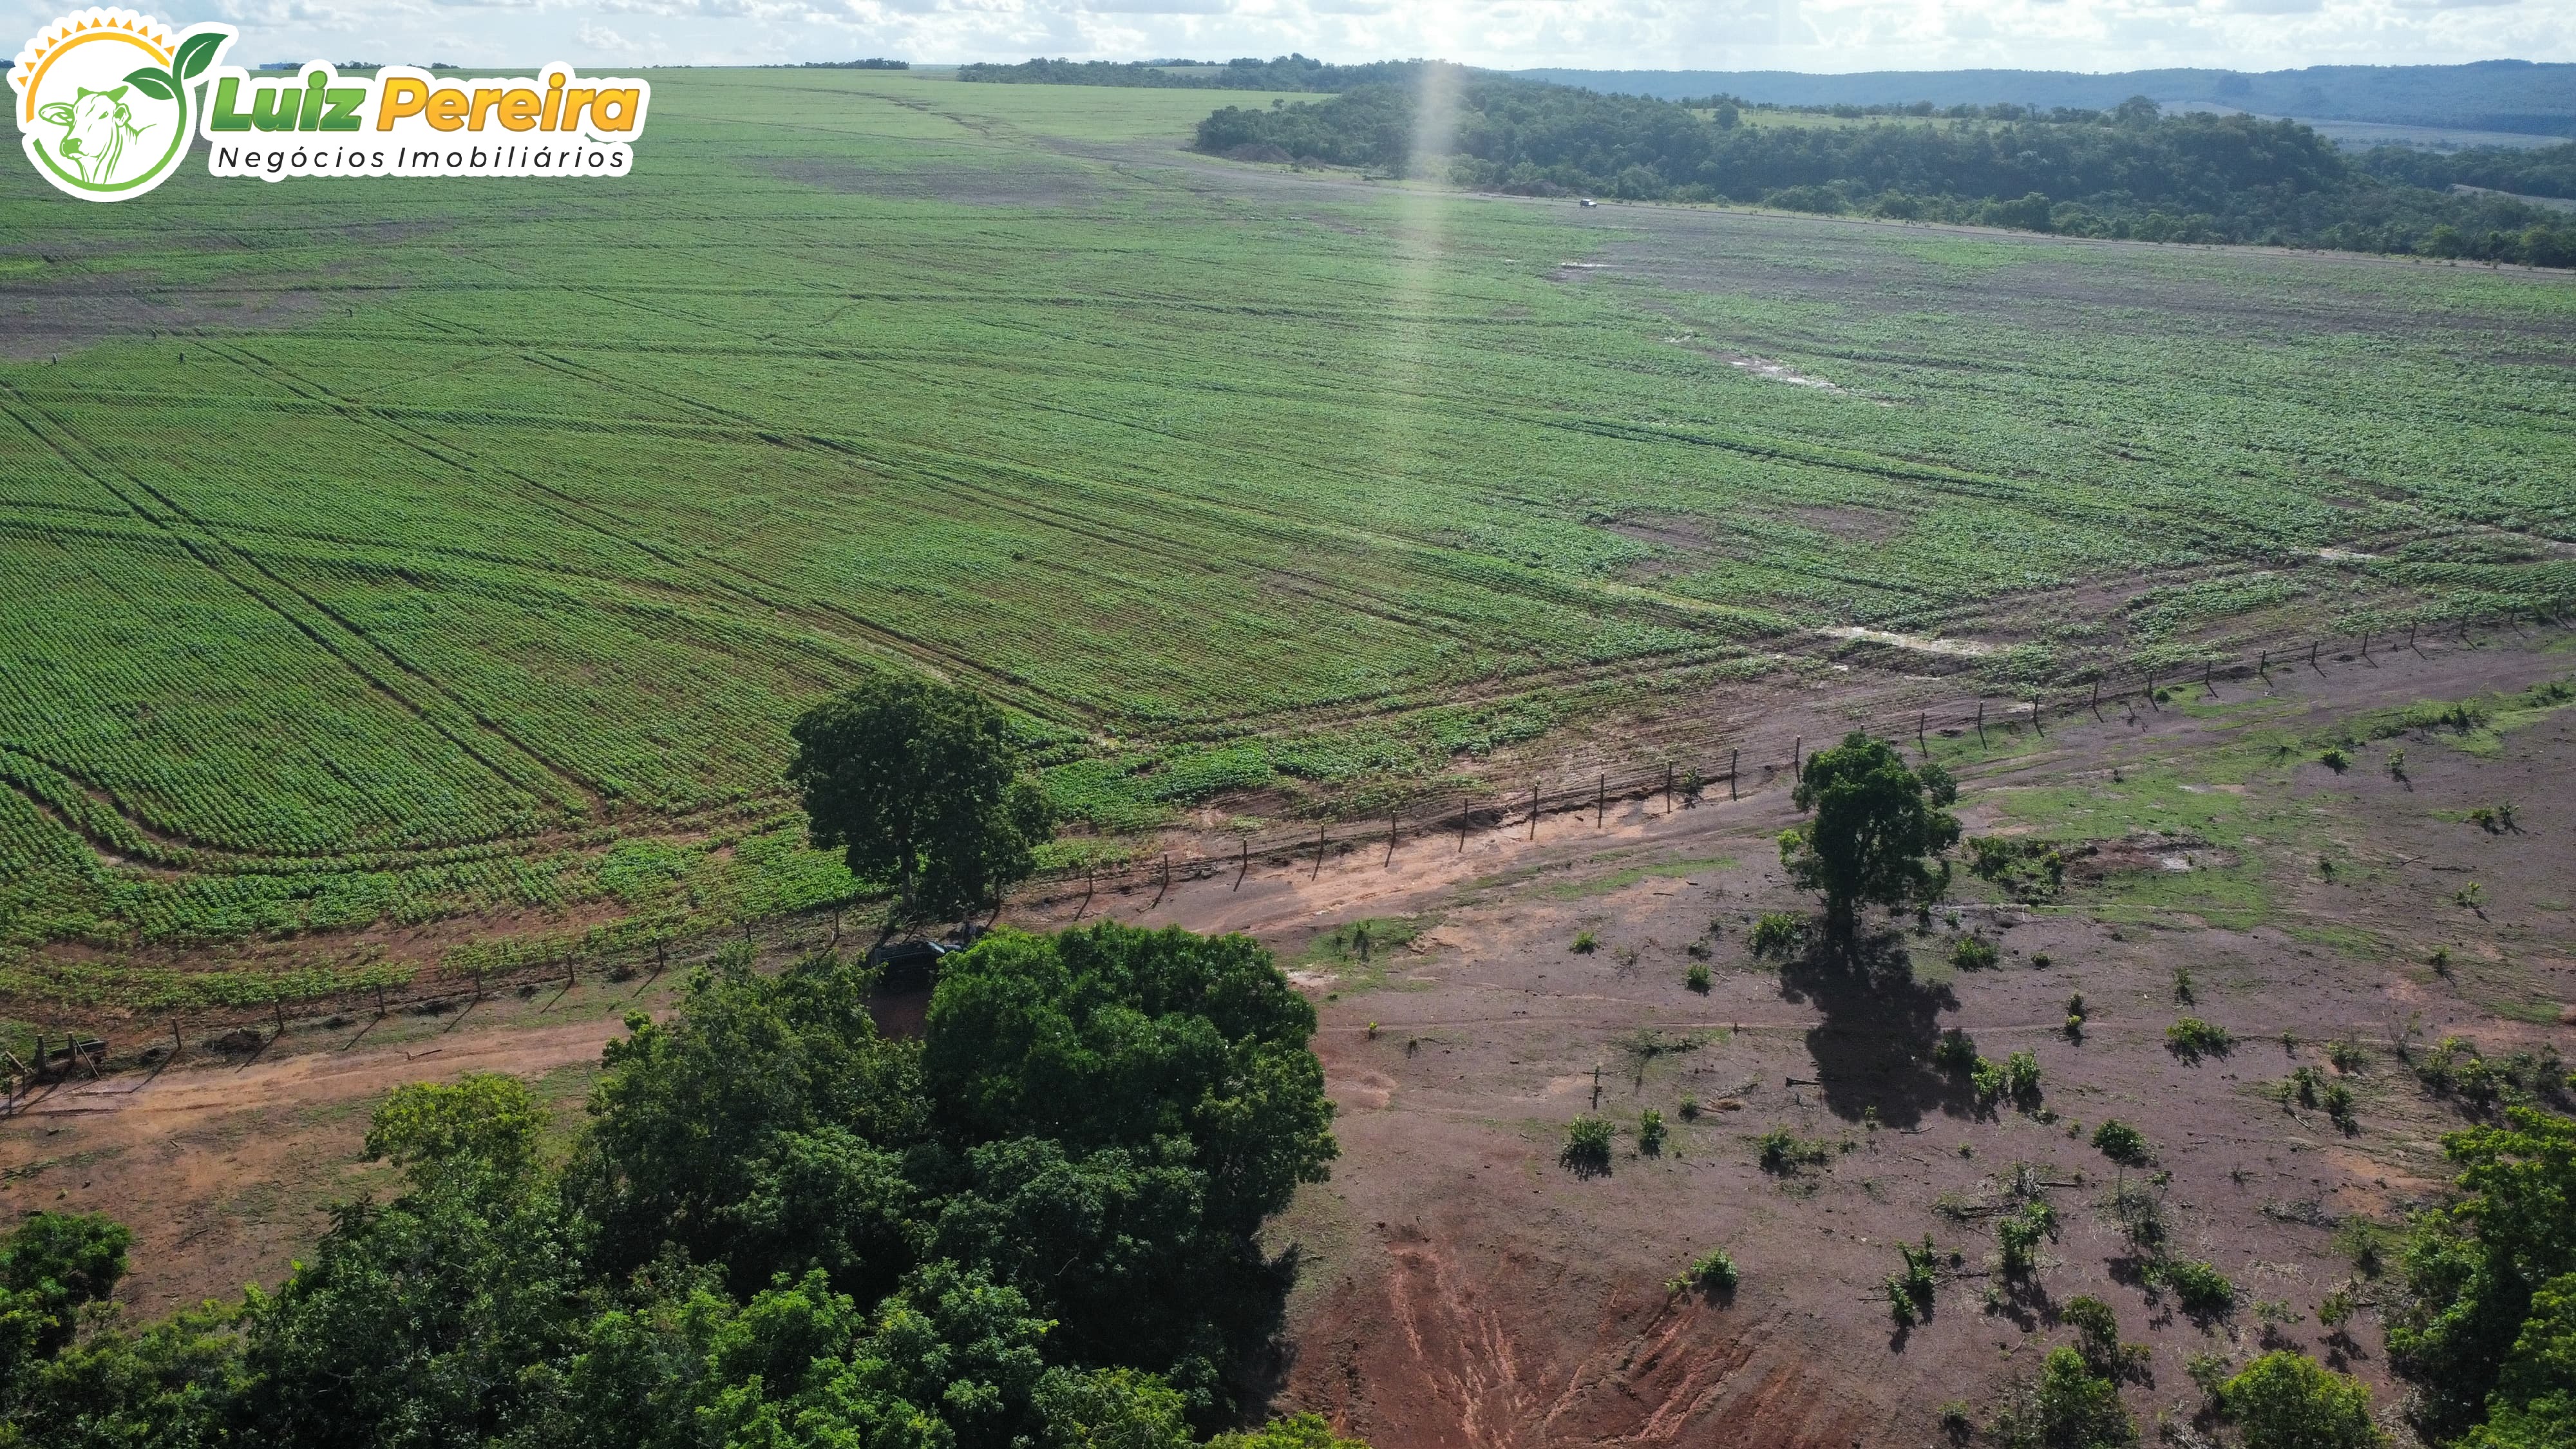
[(1457, 1287)]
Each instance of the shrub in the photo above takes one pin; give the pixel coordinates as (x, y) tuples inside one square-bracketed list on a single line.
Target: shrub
[(2018, 1235), (2200, 1288), (2121, 1143), (2021, 1078), (2026, 870), (1988, 1080), (2338, 1105), (1974, 953), (2335, 759), (1956, 1051), (1650, 1132), (2192, 1038), (2097, 1331), (2140, 1215), (1585, 943), (2284, 1401), (1689, 1109), (1587, 1146), (1697, 977), (2068, 1407), (1711, 1272), (1783, 1151), (1778, 934)]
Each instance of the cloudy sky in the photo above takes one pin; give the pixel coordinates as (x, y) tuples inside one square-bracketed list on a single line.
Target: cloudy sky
[(1811, 35)]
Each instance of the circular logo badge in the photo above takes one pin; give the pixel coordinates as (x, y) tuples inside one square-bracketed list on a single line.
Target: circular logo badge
[(104, 100)]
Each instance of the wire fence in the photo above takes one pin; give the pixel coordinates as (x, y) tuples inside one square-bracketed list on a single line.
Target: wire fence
[(1700, 765), (1697, 768)]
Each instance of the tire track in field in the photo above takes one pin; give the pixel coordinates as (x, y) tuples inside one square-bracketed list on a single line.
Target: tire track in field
[(206, 545), (1177, 557), (1138, 541), (1296, 535), (885, 640)]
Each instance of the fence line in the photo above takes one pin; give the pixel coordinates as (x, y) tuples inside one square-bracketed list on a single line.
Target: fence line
[(1722, 760), (1722, 763)]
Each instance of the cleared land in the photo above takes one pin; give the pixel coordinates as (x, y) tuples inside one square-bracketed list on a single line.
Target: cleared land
[(1457, 1286), (402, 575)]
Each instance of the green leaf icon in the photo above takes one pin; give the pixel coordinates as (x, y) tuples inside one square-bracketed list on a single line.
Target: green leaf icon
[(153, 83), (195, 54)]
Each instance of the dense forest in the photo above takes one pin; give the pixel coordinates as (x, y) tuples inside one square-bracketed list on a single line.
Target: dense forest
[(2127, 172), (2549, 171), (1250, 73), (2486, 95), (1032, 1229)]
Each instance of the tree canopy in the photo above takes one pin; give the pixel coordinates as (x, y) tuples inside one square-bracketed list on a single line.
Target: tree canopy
[(2489, 1330), (1033, 1229), (918, 783), (2123, 172), (1878, 831)]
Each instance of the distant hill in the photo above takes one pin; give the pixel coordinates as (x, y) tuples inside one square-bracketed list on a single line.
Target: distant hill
[(2489, 95)]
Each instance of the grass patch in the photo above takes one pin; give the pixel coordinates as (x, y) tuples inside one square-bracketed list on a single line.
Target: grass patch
[(1621, 879), (1359, 953)]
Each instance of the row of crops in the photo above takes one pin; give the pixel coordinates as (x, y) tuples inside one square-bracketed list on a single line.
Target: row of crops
[(511, 537)]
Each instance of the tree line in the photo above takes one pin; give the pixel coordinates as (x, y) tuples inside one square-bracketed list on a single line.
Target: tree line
[(2128, 172), (1291, 72), (2545, 171)]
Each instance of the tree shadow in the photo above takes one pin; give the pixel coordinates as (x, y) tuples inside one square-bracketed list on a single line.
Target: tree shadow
[(1873, 1050), (1259, 1374)]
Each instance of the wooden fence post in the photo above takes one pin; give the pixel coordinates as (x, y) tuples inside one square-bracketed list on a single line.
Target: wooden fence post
[(1462, 825), (2097, 698), (1390, 838), (1923, 717), (1732, 756), (1319, 852), (1668, 787), (1798, 757), (2036, 727), (1533, 833), (1600, 801), (1246, 868), (1981, 724)]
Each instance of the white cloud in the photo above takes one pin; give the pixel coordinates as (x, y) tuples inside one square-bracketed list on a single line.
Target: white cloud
[(2094, 35)]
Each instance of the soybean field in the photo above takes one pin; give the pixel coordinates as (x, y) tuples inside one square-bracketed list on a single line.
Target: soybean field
[(390, 569)]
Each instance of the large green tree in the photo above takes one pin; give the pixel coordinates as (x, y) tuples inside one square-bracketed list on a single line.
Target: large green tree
[(1878, 832), (918, 784), (2488, 1276), (1036, 1229)]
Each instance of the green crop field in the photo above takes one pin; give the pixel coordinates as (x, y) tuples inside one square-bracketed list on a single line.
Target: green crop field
[(382, 553)]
